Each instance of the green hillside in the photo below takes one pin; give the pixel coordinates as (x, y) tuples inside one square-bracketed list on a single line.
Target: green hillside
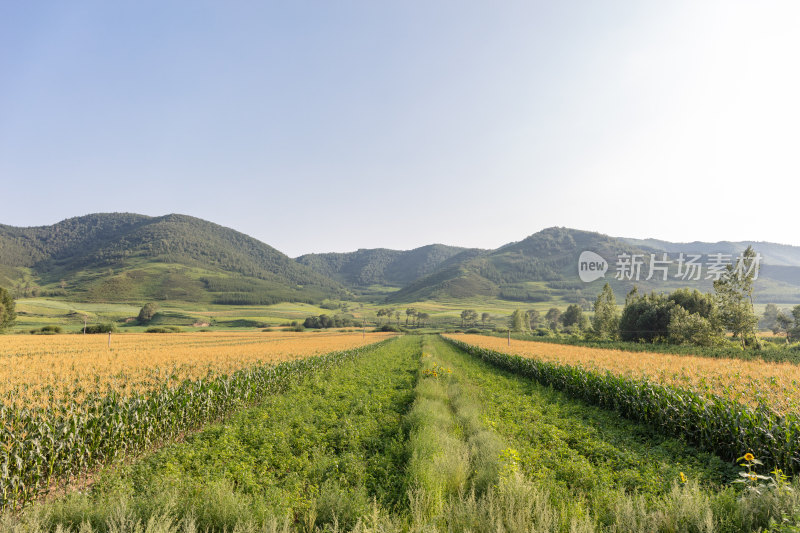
[(129, 257), (381, 266), (543, 267)]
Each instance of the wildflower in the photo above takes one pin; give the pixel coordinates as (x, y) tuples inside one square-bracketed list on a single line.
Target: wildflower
[(683, 478), (749, 457)]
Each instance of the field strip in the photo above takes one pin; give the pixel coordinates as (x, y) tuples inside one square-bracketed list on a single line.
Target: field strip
[(37, 369), (329, 444), (721, 425), (754, 383), (593, 463), (47, 445)]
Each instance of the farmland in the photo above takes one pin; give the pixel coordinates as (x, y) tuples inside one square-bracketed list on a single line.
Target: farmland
[(415, 433), (38, 368), (71, 404)]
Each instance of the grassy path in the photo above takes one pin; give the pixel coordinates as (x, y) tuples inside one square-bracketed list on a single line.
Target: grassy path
[(594, 464)]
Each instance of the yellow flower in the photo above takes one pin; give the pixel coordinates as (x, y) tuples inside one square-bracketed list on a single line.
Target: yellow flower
[(749, 457), (683, 478)]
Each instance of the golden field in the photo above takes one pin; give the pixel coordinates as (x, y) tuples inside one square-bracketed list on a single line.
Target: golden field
[(39, 368), (776, 385)]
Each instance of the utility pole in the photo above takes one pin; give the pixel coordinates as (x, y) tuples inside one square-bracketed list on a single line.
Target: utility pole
[(84, 324), (109, 340), (509, 336)]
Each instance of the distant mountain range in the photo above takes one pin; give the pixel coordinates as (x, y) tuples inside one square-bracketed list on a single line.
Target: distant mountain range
[(129, 257)]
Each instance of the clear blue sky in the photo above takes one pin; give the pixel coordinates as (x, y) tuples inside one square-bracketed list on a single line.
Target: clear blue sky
[(331, 126)]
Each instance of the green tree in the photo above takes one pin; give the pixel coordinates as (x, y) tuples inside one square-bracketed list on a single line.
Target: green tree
[(7, 310), (468, 316), (784, 324), (734, 296), (552, 318), (605, 322), (484, 318), (769, 320), (534, 317), (691, 328), (423, 317), (518, 321), (147, 312), (410, 312), (573, 317)]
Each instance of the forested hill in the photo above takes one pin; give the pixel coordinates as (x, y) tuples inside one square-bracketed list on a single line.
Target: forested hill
[(381, 266), (543, 267), (122, 256)]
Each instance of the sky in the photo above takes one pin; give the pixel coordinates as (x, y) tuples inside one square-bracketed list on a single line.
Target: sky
[(333, 126)]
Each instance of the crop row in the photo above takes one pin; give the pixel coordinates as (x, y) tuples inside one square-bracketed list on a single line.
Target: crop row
[(45, 445), (728, 428), (752, 383), (44, 369)]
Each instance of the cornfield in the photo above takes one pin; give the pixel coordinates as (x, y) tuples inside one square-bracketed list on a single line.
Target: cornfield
[(716, 423), (38, 370), (753, 383), (62, 425)]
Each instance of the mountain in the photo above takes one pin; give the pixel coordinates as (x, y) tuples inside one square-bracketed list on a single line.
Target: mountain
[(123, 257), (539, 268), (130, 257), (380, 266), (543, 267)]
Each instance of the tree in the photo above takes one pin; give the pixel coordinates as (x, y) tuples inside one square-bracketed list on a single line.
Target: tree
[(573, 317), (534, 317), (769, 320), (410, 312), (484, 318), (397, 316), (784, 323), (734, 296), (468, 316), (518, 321), (605, 322), (147, 312), (691, 328), (7, 310), (422, 317), (552, 318)]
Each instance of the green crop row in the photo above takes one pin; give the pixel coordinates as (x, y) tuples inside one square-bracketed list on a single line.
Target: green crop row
[(724, 427), (43, 446)]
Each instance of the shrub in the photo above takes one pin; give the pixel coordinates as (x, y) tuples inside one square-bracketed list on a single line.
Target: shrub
[(164, 329), (101, 328)]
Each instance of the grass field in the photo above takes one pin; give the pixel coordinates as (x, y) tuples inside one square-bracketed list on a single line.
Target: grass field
[(418, 434)]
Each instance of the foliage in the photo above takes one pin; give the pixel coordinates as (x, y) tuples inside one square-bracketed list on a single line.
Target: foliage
[(691, 328), (7, 310), (518, 321), (147, 312), (605, 322), (325, 321), (734, 295), (107, 327)]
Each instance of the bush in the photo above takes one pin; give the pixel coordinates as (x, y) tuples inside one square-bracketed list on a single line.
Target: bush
[(101, 328), (46, 330), (164, 329), (474, 330)]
